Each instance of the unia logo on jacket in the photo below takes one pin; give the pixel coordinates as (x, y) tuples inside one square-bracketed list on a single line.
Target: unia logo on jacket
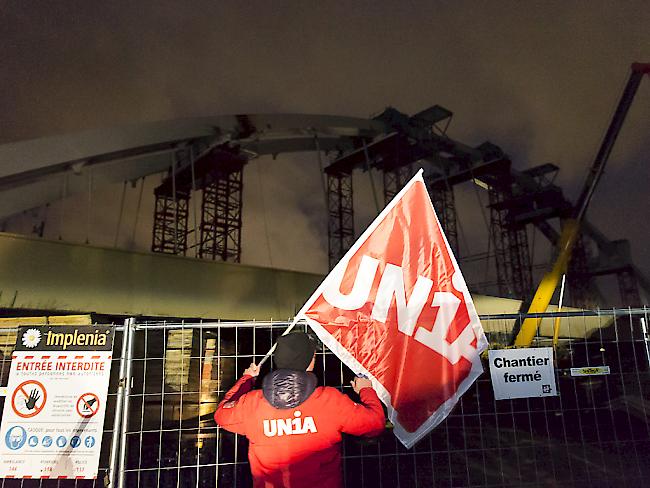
[(290, 426)]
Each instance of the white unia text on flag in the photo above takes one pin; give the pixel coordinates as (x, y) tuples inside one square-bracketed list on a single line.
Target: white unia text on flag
[(396, 309)]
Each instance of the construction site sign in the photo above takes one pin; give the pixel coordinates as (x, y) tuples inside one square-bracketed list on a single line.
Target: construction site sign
[(522, 373), (53, 416)]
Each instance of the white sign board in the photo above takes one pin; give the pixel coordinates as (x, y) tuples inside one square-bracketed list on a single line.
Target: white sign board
[(522, 373), (53, 416)]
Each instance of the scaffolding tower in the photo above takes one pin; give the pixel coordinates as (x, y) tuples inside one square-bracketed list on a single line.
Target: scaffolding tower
[(442, 197), (394, 178), (340, 212), (221, 218), (510, 242), (217, 174), (578, 276), (170, 223)]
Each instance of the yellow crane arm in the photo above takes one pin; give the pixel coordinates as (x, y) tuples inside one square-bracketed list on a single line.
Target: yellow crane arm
[(549, 283)]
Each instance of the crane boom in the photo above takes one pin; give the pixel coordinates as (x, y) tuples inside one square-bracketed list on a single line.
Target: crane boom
[(638, 70), (571, 229)]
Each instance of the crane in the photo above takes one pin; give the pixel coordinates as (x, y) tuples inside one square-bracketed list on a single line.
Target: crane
[(571, 229)]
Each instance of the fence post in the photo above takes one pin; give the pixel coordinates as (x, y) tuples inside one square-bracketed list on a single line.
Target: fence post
[(127, 380), (115, 441), (646, 337)]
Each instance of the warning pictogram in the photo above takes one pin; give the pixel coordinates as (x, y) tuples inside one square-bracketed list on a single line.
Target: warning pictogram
[(87, 405), (28, 399)]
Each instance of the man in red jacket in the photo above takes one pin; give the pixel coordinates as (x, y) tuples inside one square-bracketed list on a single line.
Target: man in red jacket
[(294, 427)]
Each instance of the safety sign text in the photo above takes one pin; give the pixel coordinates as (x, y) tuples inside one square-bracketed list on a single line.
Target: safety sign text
[(522, 373)]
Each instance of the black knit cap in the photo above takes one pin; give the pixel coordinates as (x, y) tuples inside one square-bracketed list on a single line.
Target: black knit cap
[(294, 351)]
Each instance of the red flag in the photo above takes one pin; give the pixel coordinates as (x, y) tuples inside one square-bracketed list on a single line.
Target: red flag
[(396, 308)]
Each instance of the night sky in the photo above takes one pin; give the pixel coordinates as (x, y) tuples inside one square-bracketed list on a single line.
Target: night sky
[(540, 79)]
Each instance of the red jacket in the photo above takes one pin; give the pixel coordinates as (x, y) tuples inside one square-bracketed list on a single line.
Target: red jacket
[(298, 447)]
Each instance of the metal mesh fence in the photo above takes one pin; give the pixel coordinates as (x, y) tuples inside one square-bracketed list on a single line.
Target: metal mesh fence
[(596, 432)]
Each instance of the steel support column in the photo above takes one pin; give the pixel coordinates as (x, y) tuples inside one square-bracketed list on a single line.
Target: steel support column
[(520, 266), (445, 205), (394, 180), (510, 243), (221, 218), (498, 245), (340, 210), (170, 224)]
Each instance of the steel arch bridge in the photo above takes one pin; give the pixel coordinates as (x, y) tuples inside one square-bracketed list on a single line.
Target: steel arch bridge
[(210, 153)]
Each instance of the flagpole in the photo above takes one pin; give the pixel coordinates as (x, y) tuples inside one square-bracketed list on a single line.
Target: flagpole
[(556, 326)]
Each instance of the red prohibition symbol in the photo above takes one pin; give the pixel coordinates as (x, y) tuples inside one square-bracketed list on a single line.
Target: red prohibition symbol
[(28, 399), (87, 405)]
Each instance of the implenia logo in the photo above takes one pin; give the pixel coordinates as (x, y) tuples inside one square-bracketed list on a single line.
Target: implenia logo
[(31, 338)]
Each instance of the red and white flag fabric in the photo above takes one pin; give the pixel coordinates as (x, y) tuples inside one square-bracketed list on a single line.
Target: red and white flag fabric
[(396, 309)]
